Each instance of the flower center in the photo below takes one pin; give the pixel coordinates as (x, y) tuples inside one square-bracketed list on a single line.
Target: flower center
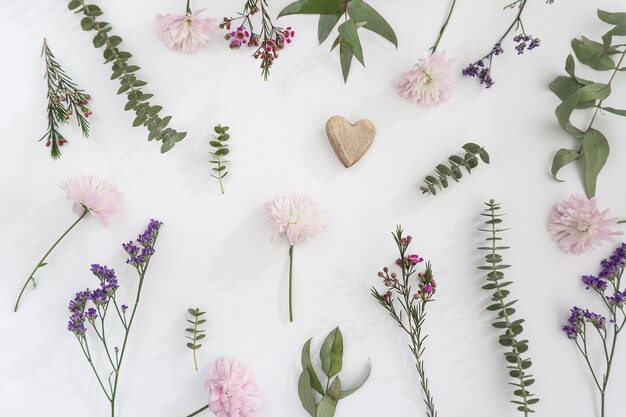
[(583, 226)]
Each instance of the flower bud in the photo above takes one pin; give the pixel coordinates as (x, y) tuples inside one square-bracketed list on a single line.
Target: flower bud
[(394, 275), (380, 274)]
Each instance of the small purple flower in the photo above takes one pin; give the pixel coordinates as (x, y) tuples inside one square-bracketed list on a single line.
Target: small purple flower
[(497, 49), (76, 324), (485, 78), (594, 282), (124, 308), (617, 299), (414, 259), (535, 43), (91, 314), (139, 257), (571, 331)]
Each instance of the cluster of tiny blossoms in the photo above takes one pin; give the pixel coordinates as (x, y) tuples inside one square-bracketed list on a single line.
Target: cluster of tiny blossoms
[(63, 112), (609, 276), (481, 69), (140, 255)]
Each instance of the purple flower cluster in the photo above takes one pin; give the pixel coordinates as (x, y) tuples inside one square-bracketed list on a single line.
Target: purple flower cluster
[(617, 299), (594, 282), (108, 284), (577, 320), (478, 69), (523, 43), (140, 256), (614, 265), (76, 324)]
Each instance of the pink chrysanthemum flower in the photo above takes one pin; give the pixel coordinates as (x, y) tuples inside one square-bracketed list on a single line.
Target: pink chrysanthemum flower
[(232, 391), (90, 193), (296, 217), (186, 33), (577, 226), (429, 82)]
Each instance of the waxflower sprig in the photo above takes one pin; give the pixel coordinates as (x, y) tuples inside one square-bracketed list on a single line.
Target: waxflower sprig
[(195, 334), (296, 218), (93, 309), (309, 385), (356, 14), (267, 38), (186, 33), (518, 366), (145, 114), (407, 306), (481, 68), (90, 195), (64, 100), (577, 93), (583, 325), (232, 390), (220, 146), (468, 161)]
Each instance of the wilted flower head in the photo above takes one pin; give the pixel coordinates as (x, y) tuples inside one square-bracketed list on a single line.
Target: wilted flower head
[(232, 391), (577, 226), (429, 82), (99, 197), (296, 217), (186, 33)]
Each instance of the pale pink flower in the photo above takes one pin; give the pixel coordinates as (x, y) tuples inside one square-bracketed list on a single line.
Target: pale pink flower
[(577, 226), (429, 82), (296, 217), (186, 33), (232, 391), (99, 197)]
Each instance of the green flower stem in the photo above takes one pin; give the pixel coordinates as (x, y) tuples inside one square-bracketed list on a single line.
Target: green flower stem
[(291, 284), (433, 49), (188, 8), (518, 18), (195, 413), (195, 330), (41, 263), (621, 221)]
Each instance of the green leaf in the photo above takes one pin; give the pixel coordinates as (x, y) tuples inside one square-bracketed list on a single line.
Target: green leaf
[(619, 112), (331, 353), (484, 156), (305, 392), (167, 145), (334, 390), (564, 87), (349, 35), (345, 56), (327, 407), (73, 4), (595, 91), (222, 152), (92, 10), (592, 53), (360, 12), (87, 23), (595, 152), (306, 364), (351, 391), (98, 41), (326, 24), (178, 136), (617, 19), (562, 158), (313, 7)]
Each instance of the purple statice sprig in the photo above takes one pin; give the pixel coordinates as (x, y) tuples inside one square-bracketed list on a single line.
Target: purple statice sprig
[(89, 310), (608, 328)]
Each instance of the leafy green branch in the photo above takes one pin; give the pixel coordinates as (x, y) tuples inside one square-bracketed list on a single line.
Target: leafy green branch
[(357, 14), (145, 113), (219, 143), (468, 161), (577, 94), (195, 333), (309, 385), (512, 327)]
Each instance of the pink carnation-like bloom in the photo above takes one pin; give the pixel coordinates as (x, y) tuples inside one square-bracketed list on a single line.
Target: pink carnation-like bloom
[(429, 82), (186, 33), (297, 217), (232, 391), (99, 197), (577, 226)]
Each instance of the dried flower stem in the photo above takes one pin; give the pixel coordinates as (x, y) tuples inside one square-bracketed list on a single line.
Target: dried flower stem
[(291, 283), (433, 48), (42, 262), (195, 413)]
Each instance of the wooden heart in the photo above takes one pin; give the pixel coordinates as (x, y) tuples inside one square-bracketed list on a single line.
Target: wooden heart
[(350, 141)]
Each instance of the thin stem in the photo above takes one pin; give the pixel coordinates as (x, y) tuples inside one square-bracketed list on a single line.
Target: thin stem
[(433, 49), (40, 264), (195, 413), (291, 283), (621, 221), (195, 330), (517, 19), (188, 9), (85, 348)]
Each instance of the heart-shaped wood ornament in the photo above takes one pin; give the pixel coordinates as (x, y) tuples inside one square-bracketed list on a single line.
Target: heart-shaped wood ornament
[(350, 141)]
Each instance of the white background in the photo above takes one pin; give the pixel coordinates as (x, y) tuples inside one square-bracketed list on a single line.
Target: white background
[(214, 251)]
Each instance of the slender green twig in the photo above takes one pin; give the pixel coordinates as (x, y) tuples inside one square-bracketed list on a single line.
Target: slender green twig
[(195, 332), (433, 48)]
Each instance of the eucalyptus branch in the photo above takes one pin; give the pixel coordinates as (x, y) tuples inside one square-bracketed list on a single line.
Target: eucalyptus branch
[(220, 145), (195, 332)]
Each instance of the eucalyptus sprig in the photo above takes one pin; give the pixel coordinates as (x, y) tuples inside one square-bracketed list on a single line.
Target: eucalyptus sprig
[(357, 14), (511, 327), (309, 386), (195, 333), (577, 93), (468, 161), (64, 100), (145, 113), (219, 143)]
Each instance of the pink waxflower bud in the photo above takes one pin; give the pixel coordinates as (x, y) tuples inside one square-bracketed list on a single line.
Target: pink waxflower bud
[(414, 259), (387, 283), (385, 269), (380, 274), (394, 275), (416, 295), (428, 289)]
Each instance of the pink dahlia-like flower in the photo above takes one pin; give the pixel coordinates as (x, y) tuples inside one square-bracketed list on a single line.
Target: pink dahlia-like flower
[(429, 82), (577, 226), (295, 216), (232, 391), (90, 193), (186, 33)]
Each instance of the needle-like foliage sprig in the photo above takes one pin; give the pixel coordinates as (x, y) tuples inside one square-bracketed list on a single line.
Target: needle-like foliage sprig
[(145, 113), (219, 143), (512, 328), (195, 334), (64, 100)]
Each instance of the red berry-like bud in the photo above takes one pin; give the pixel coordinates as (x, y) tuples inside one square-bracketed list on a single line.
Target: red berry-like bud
[(47, 143), (385, 269)]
